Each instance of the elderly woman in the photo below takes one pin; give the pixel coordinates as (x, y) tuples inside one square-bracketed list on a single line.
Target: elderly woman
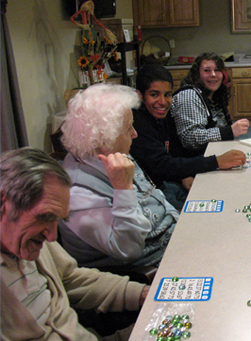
[(117, 217)]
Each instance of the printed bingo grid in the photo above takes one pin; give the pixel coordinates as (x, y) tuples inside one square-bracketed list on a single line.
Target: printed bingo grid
[(204, 206), (184, 289)]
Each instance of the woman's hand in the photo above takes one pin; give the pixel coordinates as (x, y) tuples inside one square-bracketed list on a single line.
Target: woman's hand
[(120, 170), (240, 127)]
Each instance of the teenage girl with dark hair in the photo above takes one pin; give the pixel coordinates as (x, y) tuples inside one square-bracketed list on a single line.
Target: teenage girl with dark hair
[(200, 106)]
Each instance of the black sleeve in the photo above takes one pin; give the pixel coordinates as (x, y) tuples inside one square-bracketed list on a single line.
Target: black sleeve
[(152, 155), (226, 133)]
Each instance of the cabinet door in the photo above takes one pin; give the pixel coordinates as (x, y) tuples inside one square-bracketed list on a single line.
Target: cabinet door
[(149, 13), (178, 75), (241, 98), (183, 13)]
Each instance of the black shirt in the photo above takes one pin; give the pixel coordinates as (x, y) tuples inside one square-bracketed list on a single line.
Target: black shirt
[(150, 150)]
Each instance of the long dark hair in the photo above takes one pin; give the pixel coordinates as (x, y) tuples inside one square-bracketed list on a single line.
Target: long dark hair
[(222, 95)]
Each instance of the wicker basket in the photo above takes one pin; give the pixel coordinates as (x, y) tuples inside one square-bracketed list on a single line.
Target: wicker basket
[(162, 60)]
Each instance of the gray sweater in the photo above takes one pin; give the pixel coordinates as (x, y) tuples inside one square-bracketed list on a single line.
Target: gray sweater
[(110, 227)]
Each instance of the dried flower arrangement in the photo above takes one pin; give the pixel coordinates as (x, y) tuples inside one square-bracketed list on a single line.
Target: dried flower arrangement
[(95, 49)]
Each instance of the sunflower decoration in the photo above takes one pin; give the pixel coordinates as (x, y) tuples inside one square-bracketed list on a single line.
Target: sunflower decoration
[(83, 62), (95, 51)]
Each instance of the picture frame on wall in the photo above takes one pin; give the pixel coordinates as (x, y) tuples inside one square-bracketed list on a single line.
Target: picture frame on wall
[(241, 16)]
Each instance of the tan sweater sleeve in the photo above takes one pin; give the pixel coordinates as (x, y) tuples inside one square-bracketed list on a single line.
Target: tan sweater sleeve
[(92, 289)]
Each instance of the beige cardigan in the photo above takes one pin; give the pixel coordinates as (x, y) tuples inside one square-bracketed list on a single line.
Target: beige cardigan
[(85, 288)]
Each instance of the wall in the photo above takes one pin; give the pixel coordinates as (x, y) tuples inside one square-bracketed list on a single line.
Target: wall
[(214, 33), (45, 44)]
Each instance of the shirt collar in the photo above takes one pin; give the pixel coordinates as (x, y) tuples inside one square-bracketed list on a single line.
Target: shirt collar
[(9, 261), (93, 162)]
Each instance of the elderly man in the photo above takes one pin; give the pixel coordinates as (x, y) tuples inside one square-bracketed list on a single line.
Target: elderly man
[(38, 278)]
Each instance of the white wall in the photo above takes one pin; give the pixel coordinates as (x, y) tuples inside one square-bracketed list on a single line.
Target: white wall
[(44, 44)]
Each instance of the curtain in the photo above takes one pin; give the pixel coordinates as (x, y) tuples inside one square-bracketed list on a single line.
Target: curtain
[(13, 129)]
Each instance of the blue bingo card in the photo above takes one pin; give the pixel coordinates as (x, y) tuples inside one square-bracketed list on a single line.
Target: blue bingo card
[(204, 206), (184, 289)]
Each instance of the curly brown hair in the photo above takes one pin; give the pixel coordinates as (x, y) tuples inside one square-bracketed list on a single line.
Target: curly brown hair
[(222, 95)]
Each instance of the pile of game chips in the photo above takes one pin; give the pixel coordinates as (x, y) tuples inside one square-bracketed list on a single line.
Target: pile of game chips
[(173, 328), (247, 210)]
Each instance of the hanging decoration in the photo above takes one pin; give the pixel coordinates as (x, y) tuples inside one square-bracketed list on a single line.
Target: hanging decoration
[(96, 49)]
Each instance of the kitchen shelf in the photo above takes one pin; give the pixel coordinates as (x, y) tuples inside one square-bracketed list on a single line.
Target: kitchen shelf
[(126, 47)]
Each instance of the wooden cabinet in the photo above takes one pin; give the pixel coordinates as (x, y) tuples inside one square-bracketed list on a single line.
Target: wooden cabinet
[(183, 13), (178, 75), (166, 13), (148, 13), (240, 102)]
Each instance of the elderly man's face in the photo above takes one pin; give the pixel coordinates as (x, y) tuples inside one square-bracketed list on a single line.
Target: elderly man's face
[(24, 237)]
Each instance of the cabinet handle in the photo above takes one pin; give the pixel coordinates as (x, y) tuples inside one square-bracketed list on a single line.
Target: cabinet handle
[(245, 74), (234, 90)]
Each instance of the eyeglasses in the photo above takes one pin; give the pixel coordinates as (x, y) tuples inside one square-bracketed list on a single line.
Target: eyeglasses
[(148, 193), (143, 194)]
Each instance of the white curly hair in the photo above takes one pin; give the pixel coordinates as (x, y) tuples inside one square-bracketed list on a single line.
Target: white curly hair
[(95, 117)]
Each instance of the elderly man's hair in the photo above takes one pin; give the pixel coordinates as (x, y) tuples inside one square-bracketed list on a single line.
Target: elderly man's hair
[(23, 172), (95, 117)]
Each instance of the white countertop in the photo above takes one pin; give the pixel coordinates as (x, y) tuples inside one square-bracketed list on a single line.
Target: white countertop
[(240, 60), (236, 64), (227, 64), (209, 244)]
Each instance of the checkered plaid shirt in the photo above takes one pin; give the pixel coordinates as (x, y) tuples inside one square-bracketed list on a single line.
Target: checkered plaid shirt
[(191, 118)]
